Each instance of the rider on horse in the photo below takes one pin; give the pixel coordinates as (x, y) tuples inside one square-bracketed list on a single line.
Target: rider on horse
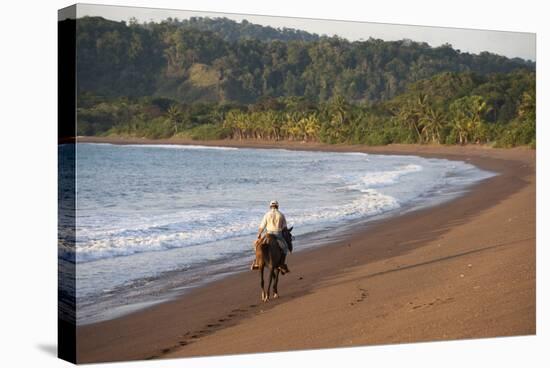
[(274, 222)]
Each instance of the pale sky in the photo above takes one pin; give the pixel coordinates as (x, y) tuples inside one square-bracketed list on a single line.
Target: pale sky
[(510, 44)]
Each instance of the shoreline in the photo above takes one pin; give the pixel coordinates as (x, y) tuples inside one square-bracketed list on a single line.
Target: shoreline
[(195, 323), (405, 149), (103, 310)]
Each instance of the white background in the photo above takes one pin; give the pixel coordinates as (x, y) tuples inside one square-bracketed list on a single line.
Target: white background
[(28, 181)]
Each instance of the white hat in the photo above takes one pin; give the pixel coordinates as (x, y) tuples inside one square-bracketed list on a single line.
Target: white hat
[(273, 204)]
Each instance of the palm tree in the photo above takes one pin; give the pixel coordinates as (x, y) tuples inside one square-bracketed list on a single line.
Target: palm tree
[(339, 118), (460, 126), (339, 108), (291, 128), (273, 120), (527, 108), (433, 122), (174, 116), (229, 122), (235, 120), (420, 109), (467, 117), (256, 124), (244, 124), (312, 126), (408, 116), (477, 108)]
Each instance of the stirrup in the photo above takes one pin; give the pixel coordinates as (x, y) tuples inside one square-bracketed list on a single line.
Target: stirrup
[(284, 269)]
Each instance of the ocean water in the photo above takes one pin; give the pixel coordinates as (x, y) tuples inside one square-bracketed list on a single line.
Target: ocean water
[(153, 221)]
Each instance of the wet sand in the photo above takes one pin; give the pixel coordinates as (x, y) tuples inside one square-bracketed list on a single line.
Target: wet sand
[(463, 269)]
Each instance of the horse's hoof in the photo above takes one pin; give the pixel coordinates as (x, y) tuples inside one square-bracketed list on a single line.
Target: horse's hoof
[(275, 296)]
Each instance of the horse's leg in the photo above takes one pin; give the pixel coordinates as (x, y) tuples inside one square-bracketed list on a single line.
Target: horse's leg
[(271, 277), (282, 263), (262, 283), (275, 291)]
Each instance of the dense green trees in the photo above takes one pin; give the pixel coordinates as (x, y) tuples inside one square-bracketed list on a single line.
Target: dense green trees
[(215, 78), (220, 60), (232, 31), (458, 116), (467, 119), (522, 129)]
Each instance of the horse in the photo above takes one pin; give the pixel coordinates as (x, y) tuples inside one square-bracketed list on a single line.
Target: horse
[(273, 257)]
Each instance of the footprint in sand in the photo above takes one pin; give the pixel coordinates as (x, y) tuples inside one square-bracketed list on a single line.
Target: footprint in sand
[(437, 301), (362, 296)]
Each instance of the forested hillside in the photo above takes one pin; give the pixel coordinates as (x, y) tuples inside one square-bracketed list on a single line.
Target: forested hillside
[(224, 61), (232, 31), (216, 78)]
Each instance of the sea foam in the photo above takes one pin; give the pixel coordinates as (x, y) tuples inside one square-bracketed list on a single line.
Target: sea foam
[(204, 206)]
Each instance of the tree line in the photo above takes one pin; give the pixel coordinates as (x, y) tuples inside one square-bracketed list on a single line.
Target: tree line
[(223, 61), (448, 108)]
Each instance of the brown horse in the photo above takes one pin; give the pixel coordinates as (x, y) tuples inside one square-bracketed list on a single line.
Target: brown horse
[(273, 257)]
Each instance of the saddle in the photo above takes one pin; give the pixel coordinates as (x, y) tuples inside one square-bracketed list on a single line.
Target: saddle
[(258, 259)]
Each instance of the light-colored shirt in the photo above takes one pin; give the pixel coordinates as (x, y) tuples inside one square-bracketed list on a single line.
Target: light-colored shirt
[(273, 221)]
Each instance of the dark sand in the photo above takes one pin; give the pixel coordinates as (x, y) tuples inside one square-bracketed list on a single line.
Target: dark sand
[(464, 269)]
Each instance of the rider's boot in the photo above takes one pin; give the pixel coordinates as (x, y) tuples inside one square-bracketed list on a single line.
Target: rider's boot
[(283, 268), (254, 266)]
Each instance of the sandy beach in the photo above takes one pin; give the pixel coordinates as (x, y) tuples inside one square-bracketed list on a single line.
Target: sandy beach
[(463, 269)]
